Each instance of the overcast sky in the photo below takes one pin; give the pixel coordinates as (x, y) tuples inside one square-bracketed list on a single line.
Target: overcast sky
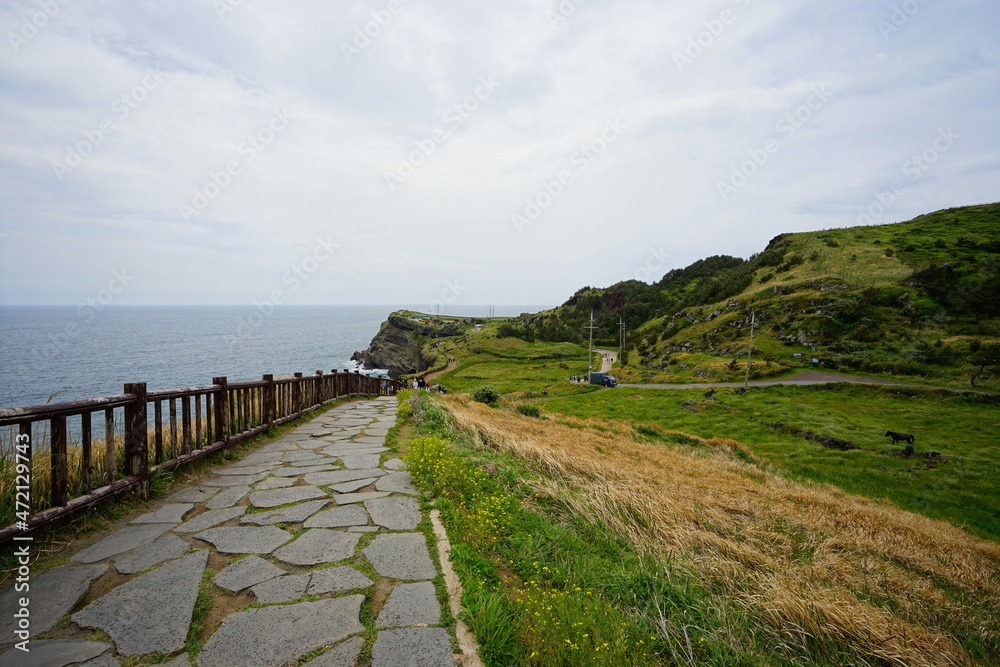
[(467, 151)]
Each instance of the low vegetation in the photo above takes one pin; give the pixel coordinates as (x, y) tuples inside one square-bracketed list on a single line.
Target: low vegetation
[(574, 536)]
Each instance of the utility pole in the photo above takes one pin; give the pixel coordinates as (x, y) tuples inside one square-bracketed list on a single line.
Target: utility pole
[(590, 352), (621, 345), (746, 377)]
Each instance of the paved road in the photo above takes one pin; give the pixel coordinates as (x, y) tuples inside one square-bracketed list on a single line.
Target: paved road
[(608, 359), (294, 538), (802, 378)]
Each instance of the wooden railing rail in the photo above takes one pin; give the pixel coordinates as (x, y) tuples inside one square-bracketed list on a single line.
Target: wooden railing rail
[(148, 431)]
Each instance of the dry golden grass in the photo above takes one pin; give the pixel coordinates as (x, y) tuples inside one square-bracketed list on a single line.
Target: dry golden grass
[(817, 565)]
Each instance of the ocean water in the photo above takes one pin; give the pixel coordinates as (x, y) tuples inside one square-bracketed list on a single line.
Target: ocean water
[(66, 353)]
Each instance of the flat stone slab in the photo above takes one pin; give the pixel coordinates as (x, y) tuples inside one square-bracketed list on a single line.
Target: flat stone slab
[(350, 487), (341, 476), (280, 446), (103, 660), (360, 461), (276, 635), (164, 548), (322, 460), (194, 494), (171, 513), (344, 654), (341, 517), (49, 652), (349, 448), (394, 464), (363, 529), (293, 514), (244, 470), (151, 613), (337, 579), (121, 541), (410, 604), (294, 494), (245, 573), (257, 458), (234, 480), (246, 539), (211, 518), (319, 545), (397, 482), (349, 498), (296, 457), (394, 513), (401, 556), (275, 483), (281, 589), (427, 647), (369, 440), (312, 444), (293, 471), (227, 497), (51, 595)]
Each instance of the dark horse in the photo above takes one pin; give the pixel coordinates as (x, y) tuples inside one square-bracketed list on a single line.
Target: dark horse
[(896, 437)]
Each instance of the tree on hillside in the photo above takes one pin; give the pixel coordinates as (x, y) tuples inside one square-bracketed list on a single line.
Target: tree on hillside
[(983, 357)]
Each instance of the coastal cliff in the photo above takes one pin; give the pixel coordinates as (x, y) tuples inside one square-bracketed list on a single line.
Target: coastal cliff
[(399, 345)]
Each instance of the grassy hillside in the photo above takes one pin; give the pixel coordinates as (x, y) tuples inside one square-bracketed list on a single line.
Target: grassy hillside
[(917, 300), (960, 486), (601, 543)]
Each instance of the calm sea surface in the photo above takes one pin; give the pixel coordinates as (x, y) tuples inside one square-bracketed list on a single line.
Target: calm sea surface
[(74, 354)]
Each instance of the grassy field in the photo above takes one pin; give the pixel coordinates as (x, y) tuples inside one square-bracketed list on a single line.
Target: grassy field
[(513, 365), (593, 542), (960, 488)]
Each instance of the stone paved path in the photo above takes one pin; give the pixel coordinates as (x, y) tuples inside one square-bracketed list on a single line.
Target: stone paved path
[(305, 541)]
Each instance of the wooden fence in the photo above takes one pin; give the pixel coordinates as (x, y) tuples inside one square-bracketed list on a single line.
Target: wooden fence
[(183, 425)]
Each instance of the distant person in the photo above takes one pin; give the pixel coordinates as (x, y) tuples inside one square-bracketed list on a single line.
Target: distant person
[(415, 383)]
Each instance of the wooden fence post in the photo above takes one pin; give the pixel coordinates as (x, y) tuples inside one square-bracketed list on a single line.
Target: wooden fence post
[(269, 401), (60, 470), (297, 394), (320, 388), (137, 438), (221, 406)]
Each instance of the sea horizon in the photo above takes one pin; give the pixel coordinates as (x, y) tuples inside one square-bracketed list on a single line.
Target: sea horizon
[(58, 353)]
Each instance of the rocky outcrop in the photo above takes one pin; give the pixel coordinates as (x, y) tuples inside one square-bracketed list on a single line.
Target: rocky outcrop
[(398, 346)]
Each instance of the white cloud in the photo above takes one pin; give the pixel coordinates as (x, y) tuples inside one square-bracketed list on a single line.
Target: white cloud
[(655, 185)]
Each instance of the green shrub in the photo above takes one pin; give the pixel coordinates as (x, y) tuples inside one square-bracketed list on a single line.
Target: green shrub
[(529, 410), (486, 394)]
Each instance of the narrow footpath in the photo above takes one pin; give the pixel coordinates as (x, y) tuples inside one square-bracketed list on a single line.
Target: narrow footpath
[(310, 547)]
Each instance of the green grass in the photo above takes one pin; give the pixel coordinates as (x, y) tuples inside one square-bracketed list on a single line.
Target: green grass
[(542, 586), (513, 365), (962, 489)]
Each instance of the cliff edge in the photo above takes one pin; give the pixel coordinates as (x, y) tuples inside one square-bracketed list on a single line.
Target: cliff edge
[(399, 345)]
